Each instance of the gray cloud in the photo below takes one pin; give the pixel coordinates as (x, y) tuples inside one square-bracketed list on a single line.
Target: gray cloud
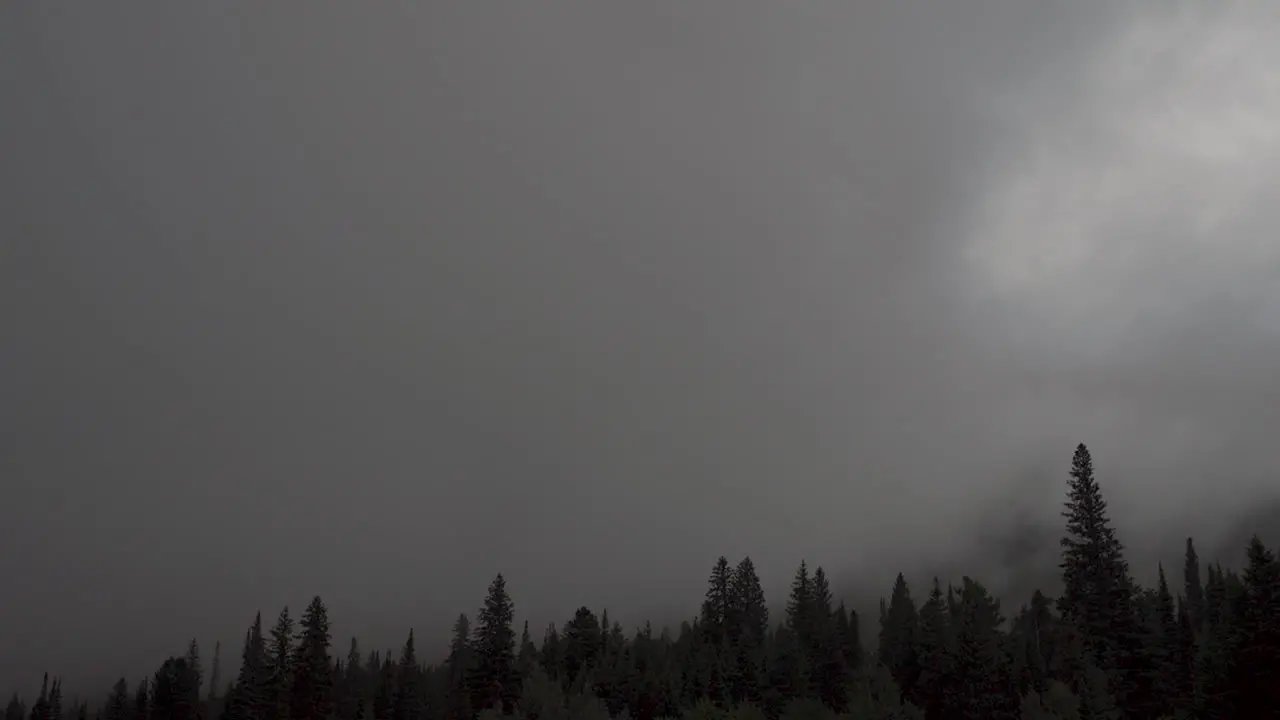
[(376, 302)]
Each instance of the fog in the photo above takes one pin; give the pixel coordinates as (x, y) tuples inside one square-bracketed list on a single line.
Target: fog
[(376, 301)]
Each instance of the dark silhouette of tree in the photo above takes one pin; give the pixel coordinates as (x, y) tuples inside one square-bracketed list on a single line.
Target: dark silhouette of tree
[(118, 702), (493, 677), (278, 689), (408, 701), (312, 689), (215, 672), (899, 633)]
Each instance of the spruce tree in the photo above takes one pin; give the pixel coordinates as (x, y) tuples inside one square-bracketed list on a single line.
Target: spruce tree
[(800, 606), (493, 677), (717, 605), (1097, 596), (934, 654), (279, 668), (118, 702), (141, 702), (748, 631), (215, 672), (1257, 638), (195, 675), (1094, 573), (15, 710), (312, 686), (384, 694), (249, 697), (527, 657), (408, 703), (899, 633), (1192, 588), (582, 640), (350, 703), (983, 687), (827, 672), (551, 655)]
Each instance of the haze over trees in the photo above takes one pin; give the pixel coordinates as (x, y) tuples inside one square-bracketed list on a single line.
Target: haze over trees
[(1202, 646)]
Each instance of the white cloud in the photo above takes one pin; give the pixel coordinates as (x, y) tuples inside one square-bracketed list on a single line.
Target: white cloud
[(1154, 182)]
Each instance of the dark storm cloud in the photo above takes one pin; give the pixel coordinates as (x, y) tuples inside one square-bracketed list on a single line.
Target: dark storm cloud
[(376, 302)]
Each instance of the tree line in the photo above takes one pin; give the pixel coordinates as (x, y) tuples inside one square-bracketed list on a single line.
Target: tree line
[(1207, 648)]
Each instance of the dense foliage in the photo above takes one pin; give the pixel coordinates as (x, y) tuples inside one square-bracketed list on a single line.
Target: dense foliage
[(1107, 648)]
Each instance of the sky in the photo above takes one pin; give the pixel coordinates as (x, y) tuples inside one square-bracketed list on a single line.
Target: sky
[(375, 301)]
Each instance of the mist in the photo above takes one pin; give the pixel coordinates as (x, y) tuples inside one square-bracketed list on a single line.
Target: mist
[(374, 302)]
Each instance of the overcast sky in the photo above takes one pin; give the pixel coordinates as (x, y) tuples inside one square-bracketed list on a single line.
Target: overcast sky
[(377, 300)]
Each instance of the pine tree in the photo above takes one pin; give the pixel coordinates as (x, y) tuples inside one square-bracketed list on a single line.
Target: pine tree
[(800, 606), (118, 703), (899, 633), (1094, 572), (493, 678), (384, 694), (351, 702), (279, 668), (142, 702), (983, 688), (748, 631), (1257, 639), (527, 658), (195, 675), (582, 641), (934, 654), (717, 605), (15, 710), (215, 672), (408, 703), (175, 695), (54, 706), (1097, 596), (250, 695), (312, 687), (827, 673), (1193, 589)]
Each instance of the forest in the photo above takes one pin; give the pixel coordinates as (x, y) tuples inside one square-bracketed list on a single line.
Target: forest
[(1207, 646)]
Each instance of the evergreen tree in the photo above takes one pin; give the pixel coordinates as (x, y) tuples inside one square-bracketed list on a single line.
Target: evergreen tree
[(582, 642), (460, 662), (827, 670), (1257, 639), (118, 702), (934, 654), (983, 688), (384, 695), (312, 687), (527, 658), (493, 677), (749, 631), (717, 605), (142, 702), (196, 675), (250, 695), (215, 672), (350, 704), (408, 703), (54, 705), (174, 695), (15, 710), (800, 606), (1097, 596), (279, 669), (899, 630), (1193, 589), (550, 656)]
